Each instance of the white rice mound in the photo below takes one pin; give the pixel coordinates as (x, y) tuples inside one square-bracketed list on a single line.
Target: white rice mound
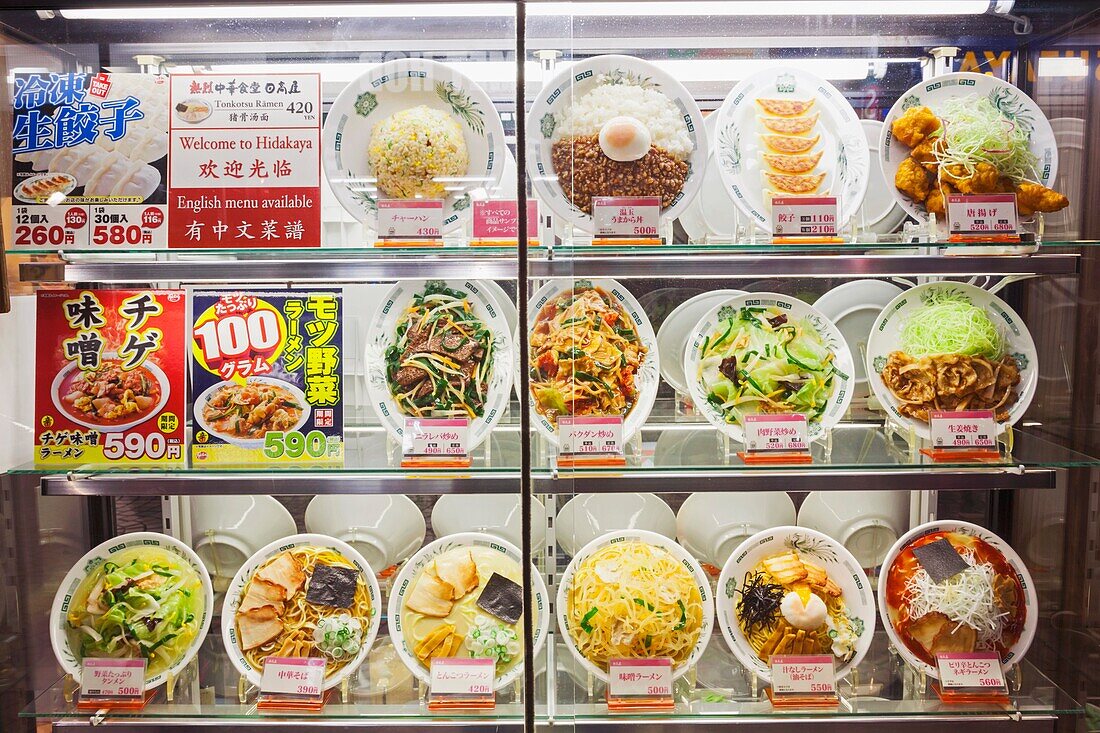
[(410, 149), (591, 110)]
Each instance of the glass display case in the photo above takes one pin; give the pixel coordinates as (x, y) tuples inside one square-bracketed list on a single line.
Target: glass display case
[(777, 415)]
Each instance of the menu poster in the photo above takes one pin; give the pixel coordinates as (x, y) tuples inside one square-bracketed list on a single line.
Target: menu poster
[(267, 375), (110, 377), (245, 160), (90, 161)]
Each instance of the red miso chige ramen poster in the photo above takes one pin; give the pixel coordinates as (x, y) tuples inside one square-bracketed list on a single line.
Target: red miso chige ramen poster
[(110, 378)]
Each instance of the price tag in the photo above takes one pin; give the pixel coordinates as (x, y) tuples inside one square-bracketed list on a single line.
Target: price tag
[(963, 429), (293, 676), (498, 220), (797, 674), (433, 436), (982, 214), (50, 227), (804, 216), (640, 677), (786, 433), (113, 678), (622, 217), (980, 670), (462, 676), (410, 219), (591, 435)]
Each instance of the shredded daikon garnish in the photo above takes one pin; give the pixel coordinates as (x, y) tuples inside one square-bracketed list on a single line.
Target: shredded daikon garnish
[(966, 598)]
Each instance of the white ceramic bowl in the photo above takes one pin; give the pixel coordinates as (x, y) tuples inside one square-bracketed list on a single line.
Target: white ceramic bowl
[(233, 598), (65, 371), (59, 639), (825, 551), (402, 584), (678, 552), (586, 517), (384, 528), (495, 514), (672, 335), (227, 530), (867, 523), (711, 525)]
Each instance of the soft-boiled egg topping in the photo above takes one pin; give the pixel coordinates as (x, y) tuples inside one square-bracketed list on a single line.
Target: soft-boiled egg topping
[(624, 139), (803, 614)]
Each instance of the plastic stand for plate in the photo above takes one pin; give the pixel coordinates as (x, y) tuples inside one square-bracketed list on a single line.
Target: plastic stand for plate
[(974, 455), (684, 407), (409, 243), (101, 705), (644, 701), (631, 447), (772, 458)]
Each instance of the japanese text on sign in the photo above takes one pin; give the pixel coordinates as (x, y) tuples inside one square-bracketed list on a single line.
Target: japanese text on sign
[(786, 432), (963, 429), (640, 677), (801, 216), (794, 674), (112, 677), (293, 676), (462, 676), (993, 213), (404, 219), (435, 436), (616, 216), (591, 435), (75, 119), (980, 670), (500, 219)]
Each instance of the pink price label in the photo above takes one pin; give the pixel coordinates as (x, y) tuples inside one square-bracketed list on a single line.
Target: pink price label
[(590, 435), (640, 677), (796, 674), (293, 676), (963, 429), (979, 670), (410, 219), (500, 219), (617, 216), (431, 436), (804, 216), (462, 676), (992, 213), (776, 432), (112, 678)]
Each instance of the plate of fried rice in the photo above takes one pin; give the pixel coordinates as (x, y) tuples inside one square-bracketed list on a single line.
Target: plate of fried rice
[(413, 128)]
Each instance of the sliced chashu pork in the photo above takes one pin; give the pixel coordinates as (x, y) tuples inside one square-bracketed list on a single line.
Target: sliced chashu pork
[(431, 596), (258, 626), (459, 571), (283, 571), (263, 593)]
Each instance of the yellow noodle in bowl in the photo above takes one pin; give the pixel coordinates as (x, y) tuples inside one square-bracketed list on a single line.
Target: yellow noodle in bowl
[(635, 594)]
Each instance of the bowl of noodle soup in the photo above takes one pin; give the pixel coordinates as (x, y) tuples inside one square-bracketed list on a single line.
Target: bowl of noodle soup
[(309, 626), (634, 594)]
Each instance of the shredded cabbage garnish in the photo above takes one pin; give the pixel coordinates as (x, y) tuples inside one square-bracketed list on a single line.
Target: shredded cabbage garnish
[(950, 324), (966, 598), (975, 132)]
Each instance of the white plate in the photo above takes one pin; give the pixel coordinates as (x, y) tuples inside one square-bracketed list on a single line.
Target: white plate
[(672, 336), (227, 530), (719, 211), (154, 369), (495, 514), (67, 657), (886, 331), (841, 395), (824, 551), (251, 443), (712, 524), (867, 523), (1031, 601), (881, 212), (233, 599), (853, 307), (1012, 102), (403, 584), (577, 79), (66, 188), (648, 376), (398, 85), (846, 159), (384, 324), (652, 538), (588, 516), (384, 528), (507, 305)]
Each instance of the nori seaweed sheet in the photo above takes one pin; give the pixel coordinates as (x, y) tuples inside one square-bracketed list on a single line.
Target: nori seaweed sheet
[(332, 586), (502, 598)]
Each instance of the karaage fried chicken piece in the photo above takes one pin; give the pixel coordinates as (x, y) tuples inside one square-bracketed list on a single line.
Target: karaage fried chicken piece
[(913, 180), (984, 179), (914, 126), (1032, 197), (925, 153)]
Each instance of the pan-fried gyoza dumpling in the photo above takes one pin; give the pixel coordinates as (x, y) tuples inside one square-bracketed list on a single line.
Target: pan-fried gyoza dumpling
[(794, 184), (793, 163), (790, 125), (786, 107), (790, 144)]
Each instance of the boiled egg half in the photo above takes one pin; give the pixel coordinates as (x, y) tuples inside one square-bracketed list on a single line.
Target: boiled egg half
[(624, 139)]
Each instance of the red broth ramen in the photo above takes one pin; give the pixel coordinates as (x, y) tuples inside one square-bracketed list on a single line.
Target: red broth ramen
[(110, 395), (982, 608)]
